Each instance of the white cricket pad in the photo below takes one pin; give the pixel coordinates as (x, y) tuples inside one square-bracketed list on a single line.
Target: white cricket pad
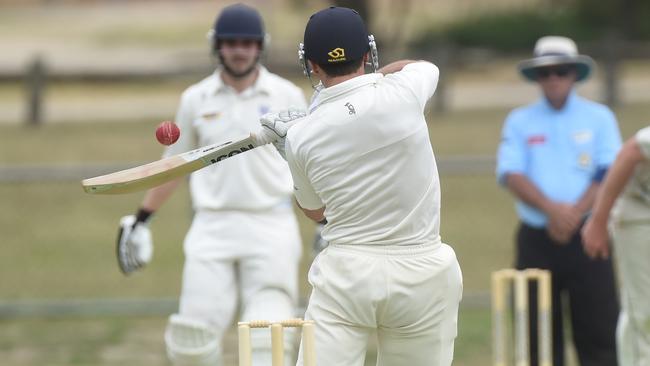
[(190, 342)]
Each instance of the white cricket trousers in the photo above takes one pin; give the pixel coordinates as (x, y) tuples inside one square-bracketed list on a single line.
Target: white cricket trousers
[(632, 255), (409, 295), (241, 258)]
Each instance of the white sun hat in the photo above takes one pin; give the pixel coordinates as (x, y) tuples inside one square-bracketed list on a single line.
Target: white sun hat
[(556, 50)]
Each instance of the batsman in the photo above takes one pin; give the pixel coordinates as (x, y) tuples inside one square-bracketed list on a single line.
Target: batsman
[(243, 248), (362, 163)]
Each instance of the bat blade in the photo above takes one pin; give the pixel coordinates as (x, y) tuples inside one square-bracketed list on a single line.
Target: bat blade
[(158, 172)]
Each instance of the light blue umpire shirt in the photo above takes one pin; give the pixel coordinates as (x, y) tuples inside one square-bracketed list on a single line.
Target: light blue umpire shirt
[(560, 151)]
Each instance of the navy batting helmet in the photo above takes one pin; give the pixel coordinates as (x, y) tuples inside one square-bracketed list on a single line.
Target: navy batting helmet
[(335, 35), (238, 21)]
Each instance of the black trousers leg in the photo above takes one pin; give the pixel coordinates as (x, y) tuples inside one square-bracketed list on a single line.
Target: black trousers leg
[(592, 296), (535, 251)]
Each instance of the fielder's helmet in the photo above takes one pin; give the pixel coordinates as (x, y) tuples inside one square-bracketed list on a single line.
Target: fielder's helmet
[(335, 35), (238, 21)]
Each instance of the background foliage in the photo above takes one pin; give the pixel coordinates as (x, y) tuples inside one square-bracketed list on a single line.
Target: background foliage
[(518, 29)]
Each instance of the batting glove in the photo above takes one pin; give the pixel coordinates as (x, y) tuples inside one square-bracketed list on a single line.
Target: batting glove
[(319, 243), (134, 244), (275, 127)]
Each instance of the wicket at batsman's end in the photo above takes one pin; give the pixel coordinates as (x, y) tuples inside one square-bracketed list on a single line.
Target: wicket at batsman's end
[(277, 340)]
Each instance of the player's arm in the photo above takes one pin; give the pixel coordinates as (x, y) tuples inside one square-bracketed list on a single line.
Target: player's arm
[(420, 78), (528, 193), (317, 215), (395, 66), (616, 179), (586, 202), (155, 197), (594, 233), (134, 242), (519, 185), (563, 219), (511, 165), (306, 197)]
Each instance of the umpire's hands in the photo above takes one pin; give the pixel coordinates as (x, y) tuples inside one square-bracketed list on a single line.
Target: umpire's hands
[(563, 222), (134, 245), (275, 126)]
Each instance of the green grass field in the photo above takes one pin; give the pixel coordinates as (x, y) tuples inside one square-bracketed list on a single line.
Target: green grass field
[(58, 243), (138, 341)]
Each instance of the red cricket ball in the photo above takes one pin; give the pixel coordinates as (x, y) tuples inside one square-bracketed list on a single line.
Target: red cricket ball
[(167, 133)]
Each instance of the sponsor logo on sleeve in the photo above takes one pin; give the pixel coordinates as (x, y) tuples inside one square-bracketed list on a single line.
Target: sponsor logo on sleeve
[(536, 140)]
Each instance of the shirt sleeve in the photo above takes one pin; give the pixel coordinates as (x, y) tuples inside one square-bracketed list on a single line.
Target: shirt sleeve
[(184, 119), (511, 155), (609, 141), (302, 189), (420, 77), (643, 140)]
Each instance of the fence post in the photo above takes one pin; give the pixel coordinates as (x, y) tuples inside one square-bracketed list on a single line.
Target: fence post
[(440, 100), (35, 84), (442, 58), (611, 60)]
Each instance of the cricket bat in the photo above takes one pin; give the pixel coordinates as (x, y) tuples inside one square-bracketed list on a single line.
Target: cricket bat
[(158, 172)]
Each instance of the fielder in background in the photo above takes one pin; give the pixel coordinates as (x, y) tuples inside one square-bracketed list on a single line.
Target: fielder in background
[(362, 162), (244, 245), (552, 157), (626, 189)]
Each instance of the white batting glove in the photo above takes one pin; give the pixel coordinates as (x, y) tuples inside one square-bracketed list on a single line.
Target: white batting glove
[(134, 245), (275, 126)]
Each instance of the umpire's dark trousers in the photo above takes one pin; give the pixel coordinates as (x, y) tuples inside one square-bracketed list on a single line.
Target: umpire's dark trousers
[(591, 292)]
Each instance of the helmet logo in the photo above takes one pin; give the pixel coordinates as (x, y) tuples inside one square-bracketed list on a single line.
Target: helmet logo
[(336, 55)]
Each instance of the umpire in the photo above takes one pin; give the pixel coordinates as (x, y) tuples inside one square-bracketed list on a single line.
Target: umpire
[(552, 157)]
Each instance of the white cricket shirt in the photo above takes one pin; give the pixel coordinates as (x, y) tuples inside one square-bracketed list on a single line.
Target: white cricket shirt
[(210, 112), (634, 203), (364, 153)]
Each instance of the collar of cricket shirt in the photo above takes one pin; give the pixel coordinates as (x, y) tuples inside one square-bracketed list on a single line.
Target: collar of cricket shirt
[(347, 86), (570, 102), (263, 82)]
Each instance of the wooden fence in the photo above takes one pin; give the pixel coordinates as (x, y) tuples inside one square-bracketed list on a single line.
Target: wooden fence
[(610, 52)]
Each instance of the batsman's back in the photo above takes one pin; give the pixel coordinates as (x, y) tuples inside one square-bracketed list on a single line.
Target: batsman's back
[(369, 156)]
